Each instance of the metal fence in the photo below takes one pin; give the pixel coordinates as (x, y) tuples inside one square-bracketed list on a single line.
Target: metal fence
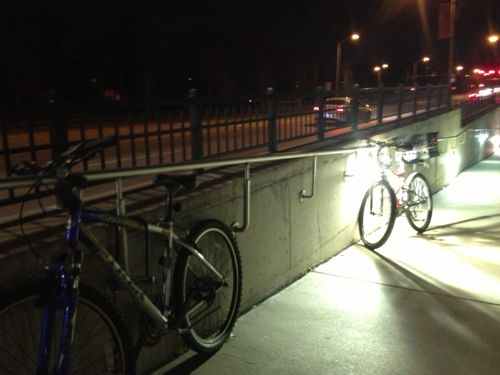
[(473, 108), (170, 132)]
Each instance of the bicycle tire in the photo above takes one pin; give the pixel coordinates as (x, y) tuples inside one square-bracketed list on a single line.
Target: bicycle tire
[(206, 331), (97, 321), (417, 201), (375, 223)]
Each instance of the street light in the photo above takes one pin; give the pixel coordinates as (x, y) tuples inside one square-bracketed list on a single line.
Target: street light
[(378, 70), (459, 78), (425, 60), (492, 39), (353, 37), (493, 42)]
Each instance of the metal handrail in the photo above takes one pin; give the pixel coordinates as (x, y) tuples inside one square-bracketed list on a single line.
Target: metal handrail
[(108, 175), (118, 175), (303, 194)]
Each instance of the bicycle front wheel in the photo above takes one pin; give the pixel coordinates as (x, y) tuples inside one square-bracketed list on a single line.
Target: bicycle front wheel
[(210, 304), (101, 342), (417, 201), (377, 215)]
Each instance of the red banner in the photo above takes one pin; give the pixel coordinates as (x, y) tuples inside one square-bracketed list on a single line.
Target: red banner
[(444, 20)]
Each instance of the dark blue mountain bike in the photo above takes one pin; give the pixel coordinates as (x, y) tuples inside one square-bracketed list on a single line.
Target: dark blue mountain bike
[(60, 325)]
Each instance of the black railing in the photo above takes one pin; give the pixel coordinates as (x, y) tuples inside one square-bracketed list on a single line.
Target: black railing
[(169, 132), (473, 108)]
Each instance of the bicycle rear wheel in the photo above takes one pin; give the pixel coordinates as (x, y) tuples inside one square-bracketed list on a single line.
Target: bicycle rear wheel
[(101, 345), (211, 304), (377, 215), (417, 201)]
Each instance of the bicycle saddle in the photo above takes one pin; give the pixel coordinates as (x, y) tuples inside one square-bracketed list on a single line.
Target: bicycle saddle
[(188, 181)]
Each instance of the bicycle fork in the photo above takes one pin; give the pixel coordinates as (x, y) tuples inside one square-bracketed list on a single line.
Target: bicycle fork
[(373, 204), (61, 295)]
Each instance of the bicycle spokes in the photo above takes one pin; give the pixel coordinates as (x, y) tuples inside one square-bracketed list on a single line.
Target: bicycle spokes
[(418, 204), (210, 301), (377, 214), (417, 201), (204, 293), (379, 199), (97, 346)]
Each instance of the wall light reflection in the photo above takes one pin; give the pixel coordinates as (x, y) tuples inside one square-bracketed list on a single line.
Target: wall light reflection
[(452, 162), (350, 291), (495, 141)]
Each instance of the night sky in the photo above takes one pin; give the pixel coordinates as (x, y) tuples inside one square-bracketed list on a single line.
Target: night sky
[(76, 49)]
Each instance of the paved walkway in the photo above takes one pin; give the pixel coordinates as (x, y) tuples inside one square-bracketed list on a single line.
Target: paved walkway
[(425, 304)]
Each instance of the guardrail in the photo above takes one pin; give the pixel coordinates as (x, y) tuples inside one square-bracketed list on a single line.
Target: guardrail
[(473, 108), (203, 129)]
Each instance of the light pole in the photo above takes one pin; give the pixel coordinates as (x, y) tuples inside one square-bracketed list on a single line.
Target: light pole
[(493, 41), (451, 49), (425, 60), (459, 84), (352, 37), (378, 70)]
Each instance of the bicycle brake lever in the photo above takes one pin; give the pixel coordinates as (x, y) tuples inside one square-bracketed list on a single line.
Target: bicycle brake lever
[(27, 168)]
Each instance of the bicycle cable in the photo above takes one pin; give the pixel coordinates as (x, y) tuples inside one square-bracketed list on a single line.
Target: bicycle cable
[(21, 223), (41, 173)]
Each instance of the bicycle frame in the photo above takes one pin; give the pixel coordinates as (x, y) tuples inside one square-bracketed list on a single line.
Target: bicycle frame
[(85, 235), (400, 190), (60, 295), (397, 182), (63, 293)]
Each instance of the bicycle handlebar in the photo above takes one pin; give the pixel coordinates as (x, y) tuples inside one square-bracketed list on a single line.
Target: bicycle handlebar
[(60, 166), (398, 145), (85, 150)]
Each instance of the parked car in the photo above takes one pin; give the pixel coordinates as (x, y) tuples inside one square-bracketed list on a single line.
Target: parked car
[(337, 110)]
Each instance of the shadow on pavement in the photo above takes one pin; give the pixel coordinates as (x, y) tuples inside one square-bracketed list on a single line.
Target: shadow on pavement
[(186, 364), (485, 217)]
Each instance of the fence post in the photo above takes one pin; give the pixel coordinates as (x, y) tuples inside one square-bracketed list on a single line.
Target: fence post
[(415, 99), (439, 91), (429, 97), (380, 106), (320, 121), (448, 96), (195, 123), (271, 124), (58, 130), (355, 107), (401, 93)]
